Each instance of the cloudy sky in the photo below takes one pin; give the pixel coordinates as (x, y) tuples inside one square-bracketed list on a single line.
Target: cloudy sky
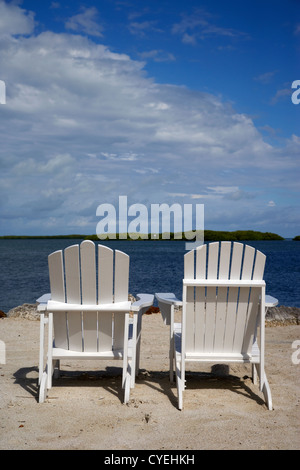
[(164, 101)]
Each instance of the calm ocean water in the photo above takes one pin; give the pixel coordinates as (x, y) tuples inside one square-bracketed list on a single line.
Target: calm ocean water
[(155, 266)]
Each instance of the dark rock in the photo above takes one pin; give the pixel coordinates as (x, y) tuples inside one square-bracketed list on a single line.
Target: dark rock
[(152, 310), (280, 316), (28, 311)]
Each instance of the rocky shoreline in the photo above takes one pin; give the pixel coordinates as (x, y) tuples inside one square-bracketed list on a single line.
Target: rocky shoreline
[(281, 316), (276, 316)]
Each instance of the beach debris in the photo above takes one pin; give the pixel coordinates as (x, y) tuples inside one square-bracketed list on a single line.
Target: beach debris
[(152, 310)]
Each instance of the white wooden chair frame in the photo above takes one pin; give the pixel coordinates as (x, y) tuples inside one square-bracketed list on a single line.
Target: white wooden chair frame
[(79, 326), (221, 312)]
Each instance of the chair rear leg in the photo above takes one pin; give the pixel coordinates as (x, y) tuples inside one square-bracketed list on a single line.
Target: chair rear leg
[(127, 387), (180, 385), (254, 374), (43, 388), (43, 373), (264, 386), (267, 392), (171, 356), (139, 339)]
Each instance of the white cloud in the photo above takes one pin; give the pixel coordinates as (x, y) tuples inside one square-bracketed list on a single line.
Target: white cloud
[(86, 22), (83, 125), (223, 189), (283, 93), (56, 164), (14, 20), (189, 39), (266, 77), (200, 25), (158, 106), (143, 27), (217, 193), (158, 55)]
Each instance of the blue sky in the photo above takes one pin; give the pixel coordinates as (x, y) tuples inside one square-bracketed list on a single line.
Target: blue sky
[(183, 102)]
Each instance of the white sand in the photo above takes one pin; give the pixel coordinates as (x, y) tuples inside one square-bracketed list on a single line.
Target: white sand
[(85, 410)]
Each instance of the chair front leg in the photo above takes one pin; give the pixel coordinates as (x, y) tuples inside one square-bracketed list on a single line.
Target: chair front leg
[(42, 338), (172, 344), (50, 351), (134, 349)]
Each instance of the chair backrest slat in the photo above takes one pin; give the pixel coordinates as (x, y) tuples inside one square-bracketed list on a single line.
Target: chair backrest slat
[(201, 262), (121, 276), (199, 333), (120, 295), (236, 261), (72, 271), (73, 294), (258, 273), (233, 292), (88, 272), (60, 330), (224, 260), (56, 276), (211, 296), (105, 296), (212, 266), (189, 260), (89, 295), (242, 308), (57, 286), (259, 266), (105, 274), (221, 303), (189, 265)]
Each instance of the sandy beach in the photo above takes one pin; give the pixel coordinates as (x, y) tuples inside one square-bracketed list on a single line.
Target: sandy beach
[(84, 410)]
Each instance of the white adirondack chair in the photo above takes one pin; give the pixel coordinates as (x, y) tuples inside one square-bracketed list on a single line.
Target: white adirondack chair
[(88, 316), (223, 305)]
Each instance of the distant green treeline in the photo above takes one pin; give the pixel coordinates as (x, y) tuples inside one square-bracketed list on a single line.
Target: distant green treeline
[(209, 235), (25, 237)]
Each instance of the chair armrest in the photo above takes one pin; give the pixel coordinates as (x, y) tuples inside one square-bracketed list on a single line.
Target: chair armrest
[(144, 300), (166, 303), (42, 301), (168, 298), (270, 301)]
